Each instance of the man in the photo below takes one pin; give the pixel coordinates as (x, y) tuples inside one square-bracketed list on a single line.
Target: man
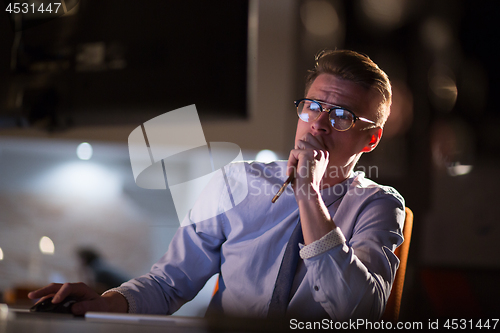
[(350, 225)]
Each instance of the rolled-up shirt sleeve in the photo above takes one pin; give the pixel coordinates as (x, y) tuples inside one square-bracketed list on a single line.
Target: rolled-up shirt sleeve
[(329, 241), (353, 279)]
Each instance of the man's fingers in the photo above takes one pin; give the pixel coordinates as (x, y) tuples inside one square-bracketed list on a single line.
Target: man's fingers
[(44, 298), (311, 151), (307, 145), (292, 163), (79, 290), (51, 289), (87, 298), (299, 160), (64, 292), (303, 145), (61, 291), (316, 141), (310, 141), (323, 154)]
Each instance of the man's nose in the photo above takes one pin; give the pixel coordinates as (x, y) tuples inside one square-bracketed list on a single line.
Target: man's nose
[(322, 123)]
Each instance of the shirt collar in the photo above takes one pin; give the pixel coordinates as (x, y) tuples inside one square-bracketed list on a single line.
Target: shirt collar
[(333, 193)]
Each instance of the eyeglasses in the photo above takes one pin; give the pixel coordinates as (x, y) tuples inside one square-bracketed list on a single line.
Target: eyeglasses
[(341, 119)]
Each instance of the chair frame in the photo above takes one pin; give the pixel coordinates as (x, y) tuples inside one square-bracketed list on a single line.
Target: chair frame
[(393, 306)]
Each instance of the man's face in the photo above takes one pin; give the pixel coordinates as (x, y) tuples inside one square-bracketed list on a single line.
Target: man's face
[(344, 147)]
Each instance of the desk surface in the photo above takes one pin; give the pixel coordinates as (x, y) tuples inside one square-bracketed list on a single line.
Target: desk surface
[(15, 321)]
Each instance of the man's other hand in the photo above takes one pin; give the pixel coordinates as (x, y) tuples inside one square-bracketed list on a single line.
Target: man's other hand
[(88, 299)]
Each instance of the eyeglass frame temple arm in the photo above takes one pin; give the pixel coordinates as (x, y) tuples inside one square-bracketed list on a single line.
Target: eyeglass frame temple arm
[(297, 102)]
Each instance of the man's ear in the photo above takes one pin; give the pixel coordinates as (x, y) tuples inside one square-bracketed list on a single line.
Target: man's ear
[(375, 136)]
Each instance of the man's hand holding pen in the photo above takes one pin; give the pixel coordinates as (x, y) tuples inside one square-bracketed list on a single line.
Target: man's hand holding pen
[(306, 166)]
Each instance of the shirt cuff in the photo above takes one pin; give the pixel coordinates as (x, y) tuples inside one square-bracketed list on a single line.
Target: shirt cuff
[(325, 243), (132, 308)]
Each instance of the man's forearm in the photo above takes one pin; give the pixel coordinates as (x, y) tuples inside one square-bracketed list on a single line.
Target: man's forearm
[(116, 302), (315, 218)]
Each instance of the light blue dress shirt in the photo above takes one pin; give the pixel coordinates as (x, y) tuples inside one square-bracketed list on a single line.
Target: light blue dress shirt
[(246, 244)]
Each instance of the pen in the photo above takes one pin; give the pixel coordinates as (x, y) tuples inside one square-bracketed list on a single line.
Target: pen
[(283, 187)]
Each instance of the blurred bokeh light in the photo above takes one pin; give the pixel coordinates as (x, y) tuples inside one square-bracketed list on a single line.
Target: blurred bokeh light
[(436, 34), (266, 156), (319, 17), (385, 14), (84, 151), (443, 90), (46, 245)]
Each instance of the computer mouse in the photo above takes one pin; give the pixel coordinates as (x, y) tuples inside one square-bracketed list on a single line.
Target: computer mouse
[(47, 306)]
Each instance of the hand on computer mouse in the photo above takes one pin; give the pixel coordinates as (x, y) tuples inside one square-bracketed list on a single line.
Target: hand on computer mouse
[(46, 305), (86, 298)]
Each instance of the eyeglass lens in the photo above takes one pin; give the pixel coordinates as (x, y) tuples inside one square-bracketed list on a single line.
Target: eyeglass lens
[(340, 119)]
